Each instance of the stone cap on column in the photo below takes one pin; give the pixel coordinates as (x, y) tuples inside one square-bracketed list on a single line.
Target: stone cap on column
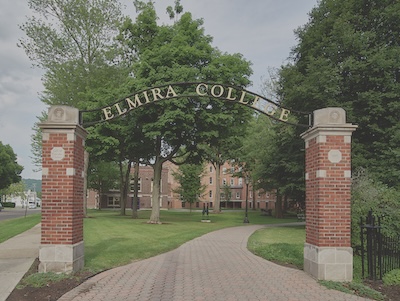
[(63, 114), (329, 121), (61, 117), (329, 116)]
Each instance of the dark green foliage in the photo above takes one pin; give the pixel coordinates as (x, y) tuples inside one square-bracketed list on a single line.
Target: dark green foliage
[(189, 179), (369, 194), (392, 277), (10, 170), (348, 55)]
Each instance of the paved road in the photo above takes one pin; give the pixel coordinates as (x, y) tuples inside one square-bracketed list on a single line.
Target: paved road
[(9, 213), (216, 266)]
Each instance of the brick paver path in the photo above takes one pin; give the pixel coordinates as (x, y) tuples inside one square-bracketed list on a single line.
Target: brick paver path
[(216, 266)]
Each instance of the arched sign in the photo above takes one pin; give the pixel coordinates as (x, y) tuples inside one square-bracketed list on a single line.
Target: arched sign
[(186, 90)]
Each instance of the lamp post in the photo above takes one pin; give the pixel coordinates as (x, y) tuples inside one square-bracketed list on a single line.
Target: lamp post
[(246, 219)]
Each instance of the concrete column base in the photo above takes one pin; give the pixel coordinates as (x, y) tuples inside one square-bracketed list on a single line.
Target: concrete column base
[(61, 258), (328, 263)]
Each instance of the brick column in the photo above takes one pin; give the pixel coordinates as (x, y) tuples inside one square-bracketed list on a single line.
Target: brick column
[(63, 141), (327, 252)]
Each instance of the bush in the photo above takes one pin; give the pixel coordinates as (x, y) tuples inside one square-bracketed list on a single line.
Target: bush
[(368, 194), (9, 204), (392, 277)]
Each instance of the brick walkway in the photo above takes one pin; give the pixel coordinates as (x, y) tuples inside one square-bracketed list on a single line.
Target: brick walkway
[(216, 266)]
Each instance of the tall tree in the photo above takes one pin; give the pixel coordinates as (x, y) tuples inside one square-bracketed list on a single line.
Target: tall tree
[(73, 42), (10, 170), (175, 53), (348, 56)]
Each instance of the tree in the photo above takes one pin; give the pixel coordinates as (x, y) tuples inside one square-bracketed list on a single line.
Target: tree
[(348, 56), (14, 190), (73, 42), (175, 53), (102, 176), (10, 170), (270, 160), (70, 40), (189, 178)]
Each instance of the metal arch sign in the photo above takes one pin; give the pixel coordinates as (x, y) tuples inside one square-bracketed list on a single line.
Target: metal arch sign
[(192, 89)]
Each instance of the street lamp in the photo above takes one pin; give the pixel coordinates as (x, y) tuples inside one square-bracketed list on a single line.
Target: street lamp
[(246, 219)]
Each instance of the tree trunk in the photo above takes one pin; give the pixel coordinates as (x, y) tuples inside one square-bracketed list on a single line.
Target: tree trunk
[(155, 198), (285, 204), (125, 177), (217, 198), (278, 205), (253, 190), (135, 193)]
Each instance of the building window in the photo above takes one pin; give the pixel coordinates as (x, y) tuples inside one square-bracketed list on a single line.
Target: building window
[(232, 182), (223, 181), (139, 185), (210, 180), (238, 195), (224, 170), (211, 169), (232, 170), (210, 193), (113, 201), (240, 181)]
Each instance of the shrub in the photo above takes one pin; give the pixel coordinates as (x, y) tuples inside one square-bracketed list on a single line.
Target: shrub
[(392, 277), (368, 194), (9, 204)]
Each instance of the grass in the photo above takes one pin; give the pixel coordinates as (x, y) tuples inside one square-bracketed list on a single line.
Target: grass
[(353, 288), (112, 240), (12, 227), (282, 245)]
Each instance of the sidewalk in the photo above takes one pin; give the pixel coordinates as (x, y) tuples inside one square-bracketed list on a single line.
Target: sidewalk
[(16, 257), (216, 266)]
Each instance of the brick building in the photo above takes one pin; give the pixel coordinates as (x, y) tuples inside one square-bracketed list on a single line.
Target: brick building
[(171, 200)]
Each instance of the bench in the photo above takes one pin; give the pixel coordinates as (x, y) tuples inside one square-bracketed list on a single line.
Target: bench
[(267, 212), (301, 217)]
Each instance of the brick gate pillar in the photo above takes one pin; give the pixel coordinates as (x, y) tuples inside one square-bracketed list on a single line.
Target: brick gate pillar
[(61, 248), (327, 251)]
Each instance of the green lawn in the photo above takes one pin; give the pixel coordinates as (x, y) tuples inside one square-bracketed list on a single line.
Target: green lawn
[(112, 240), (12, 227), (283, 245)]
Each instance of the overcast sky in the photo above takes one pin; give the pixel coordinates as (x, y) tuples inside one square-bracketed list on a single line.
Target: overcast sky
[(261, 30)]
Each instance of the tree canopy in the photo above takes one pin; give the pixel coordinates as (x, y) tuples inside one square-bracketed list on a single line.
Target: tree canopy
[(10, 170), (348, 56)]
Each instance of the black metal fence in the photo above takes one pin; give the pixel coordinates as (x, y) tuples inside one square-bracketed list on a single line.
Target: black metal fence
[(380, 254)]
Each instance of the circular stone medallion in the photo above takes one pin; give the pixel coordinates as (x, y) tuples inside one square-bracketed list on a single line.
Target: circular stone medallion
[(57, 153), (334, 156)]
